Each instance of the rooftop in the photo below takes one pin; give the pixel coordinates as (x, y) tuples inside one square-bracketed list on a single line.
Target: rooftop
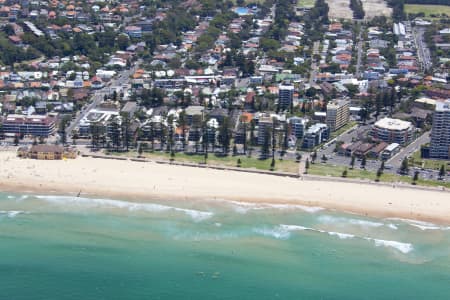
[(393, 124), (443, 106)]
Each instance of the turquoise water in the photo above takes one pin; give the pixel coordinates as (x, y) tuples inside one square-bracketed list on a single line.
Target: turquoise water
[(55, 247), (242, 11)]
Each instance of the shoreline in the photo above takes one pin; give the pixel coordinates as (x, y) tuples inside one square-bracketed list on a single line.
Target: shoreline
[(144, 181)]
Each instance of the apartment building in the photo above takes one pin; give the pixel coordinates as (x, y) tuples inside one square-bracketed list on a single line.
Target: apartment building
[(440, 133), (338, 114)]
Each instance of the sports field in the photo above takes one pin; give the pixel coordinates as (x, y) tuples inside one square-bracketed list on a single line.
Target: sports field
[(427, 9)]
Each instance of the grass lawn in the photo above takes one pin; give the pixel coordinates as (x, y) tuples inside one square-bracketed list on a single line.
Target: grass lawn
[(230, 161), (342, 130), (427, 9), (417, 161), (336, 171), (306, 3)]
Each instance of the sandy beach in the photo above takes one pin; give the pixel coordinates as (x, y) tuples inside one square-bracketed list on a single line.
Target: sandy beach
[(144, 181)]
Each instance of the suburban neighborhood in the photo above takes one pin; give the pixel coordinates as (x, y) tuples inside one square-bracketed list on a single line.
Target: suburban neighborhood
[(287, 86)]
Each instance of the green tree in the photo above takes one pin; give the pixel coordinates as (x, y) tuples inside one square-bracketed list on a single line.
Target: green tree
[(352, 162), (404, 168), (182, 122), (115, 134), (363, 162), (314, 157), (344, 173), (272, 164), (126, 130), (442, 172), (225, 136), (265, 149), (123, 42), (415, 177), (379, 173), (306, 166)]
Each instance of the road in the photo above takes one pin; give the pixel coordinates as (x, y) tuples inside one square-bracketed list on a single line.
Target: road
[(99, 94), (313, 73), (422, 50), (397, 159), (359, 49)]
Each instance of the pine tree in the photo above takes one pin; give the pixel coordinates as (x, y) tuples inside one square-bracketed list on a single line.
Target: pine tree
[(404, 167), (126, 131), (314, 157), (379, 173), (306, 166), (182, 122), (442, 172), (416, 177), (363, 162), (352, 162), (265, 149), (272, 164)]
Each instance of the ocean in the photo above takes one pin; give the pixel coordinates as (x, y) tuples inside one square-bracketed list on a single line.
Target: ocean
[(63, 247)]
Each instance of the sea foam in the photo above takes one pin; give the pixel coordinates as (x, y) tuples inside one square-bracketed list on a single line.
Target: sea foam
[(244, 207), (421, 224), (196, 215), (11, 213), (363, 223), (402, 247), (278, 233), (283, 232)]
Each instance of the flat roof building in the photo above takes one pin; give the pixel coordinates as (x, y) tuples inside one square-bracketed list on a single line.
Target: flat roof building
[(338, 114), (440, 132), (315, 135), (285, 96), (393, 131), (34, 125), (297, 126)]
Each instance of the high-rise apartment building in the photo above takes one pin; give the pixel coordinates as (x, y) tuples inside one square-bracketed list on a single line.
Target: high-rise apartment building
[(440, 132), (338, 114)]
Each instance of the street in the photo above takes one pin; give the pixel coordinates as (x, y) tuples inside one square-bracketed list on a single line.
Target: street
[(97, 97)]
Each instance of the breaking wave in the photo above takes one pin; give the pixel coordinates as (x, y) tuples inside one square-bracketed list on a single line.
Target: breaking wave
[(363, 223), (196, 215), (283, 231), (421, 224), (11, 213), (244, 207)]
